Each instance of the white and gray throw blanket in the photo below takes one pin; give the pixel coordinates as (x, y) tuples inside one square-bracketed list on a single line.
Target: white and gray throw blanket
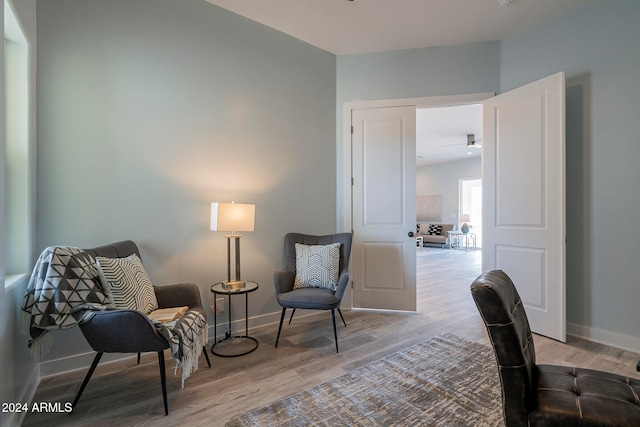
[(66, 280)]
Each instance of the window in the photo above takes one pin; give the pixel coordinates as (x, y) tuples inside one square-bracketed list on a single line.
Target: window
[(17, 194), (471, 205)]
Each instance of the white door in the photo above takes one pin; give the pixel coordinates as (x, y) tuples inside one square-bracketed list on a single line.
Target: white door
[(383, 255), (523, 159)]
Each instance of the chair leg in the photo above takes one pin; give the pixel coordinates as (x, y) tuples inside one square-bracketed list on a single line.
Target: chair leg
[(292, 313), (280, 327), (206, 355), (163, 381), (95, 362), (335, 330), (138, 358), (342, 317)]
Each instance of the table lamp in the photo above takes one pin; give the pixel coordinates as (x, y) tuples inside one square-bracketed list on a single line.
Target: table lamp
[(232, 217), (465, 218)]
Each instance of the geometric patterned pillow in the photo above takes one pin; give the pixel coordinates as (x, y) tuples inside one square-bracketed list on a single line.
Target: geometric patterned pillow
[(435, 230), (317, 266), (127, 284)]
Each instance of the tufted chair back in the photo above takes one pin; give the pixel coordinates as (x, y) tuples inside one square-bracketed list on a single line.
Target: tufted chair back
[(508, 327)]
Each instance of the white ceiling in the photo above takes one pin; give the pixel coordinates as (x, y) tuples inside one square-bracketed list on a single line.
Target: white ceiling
[(346, 27), (360, 26), (441, 133)]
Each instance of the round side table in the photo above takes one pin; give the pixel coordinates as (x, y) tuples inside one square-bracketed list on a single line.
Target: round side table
[(230, 345)]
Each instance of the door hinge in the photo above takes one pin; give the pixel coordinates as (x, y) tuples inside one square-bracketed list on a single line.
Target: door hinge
[(352, 181), (351, 130)]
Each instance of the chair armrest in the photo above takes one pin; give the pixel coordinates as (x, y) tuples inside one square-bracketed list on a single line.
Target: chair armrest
[(283, 280), (178, 295), (122, 331), (343, 282)]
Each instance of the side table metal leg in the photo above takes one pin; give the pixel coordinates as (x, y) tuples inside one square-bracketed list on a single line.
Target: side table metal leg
[(215, 322), (246, 315), (229, 314)]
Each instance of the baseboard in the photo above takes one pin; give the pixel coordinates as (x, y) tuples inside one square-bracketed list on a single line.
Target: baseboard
[(600, 336), (82, 361), (78, 362), (255, 322)]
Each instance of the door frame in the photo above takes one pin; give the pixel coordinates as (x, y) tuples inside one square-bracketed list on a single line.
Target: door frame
[(344, 151)]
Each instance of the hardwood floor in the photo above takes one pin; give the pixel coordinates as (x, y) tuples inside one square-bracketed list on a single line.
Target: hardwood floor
[(124, 393)]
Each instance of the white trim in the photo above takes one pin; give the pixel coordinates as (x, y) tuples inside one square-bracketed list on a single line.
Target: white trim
[(600, 336), (11, 280), (344, 179), (82, 361), (13, 30), (348, 107)]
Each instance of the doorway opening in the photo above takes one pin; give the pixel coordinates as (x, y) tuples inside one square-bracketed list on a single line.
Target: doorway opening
[(356, 119)]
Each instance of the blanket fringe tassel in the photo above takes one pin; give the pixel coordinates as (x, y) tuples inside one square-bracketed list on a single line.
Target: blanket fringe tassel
[(189, 361)]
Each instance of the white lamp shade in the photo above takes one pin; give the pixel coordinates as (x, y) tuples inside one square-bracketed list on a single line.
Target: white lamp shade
[(232, 216)]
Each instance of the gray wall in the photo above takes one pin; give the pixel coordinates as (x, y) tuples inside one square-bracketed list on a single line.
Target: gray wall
[(445, 70), (444, 178), (149, 110), (597, 46)]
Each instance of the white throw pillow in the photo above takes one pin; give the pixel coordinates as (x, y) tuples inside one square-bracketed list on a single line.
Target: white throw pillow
[(127, 284), (317, 266)]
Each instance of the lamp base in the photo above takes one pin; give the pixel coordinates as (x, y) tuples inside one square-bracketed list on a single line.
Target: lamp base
[(233, 285)]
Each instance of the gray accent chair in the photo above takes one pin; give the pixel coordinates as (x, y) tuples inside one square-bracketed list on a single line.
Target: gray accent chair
[(546, 395), (130, 331), (311, 298)]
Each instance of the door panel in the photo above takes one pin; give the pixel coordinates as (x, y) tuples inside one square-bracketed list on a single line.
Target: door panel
[(524, 218), (384, 212)]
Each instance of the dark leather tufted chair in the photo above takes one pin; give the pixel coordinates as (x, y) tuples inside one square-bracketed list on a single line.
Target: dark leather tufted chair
[(311, 298), (546, 395)]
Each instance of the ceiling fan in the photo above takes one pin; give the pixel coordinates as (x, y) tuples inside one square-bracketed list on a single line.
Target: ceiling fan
[(472, 142)]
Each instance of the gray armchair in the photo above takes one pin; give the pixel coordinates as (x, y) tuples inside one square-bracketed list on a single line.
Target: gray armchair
[(546, 395), (311, 298), (130, 331)]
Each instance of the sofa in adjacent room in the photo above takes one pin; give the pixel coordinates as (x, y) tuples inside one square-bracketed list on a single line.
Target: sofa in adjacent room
[(437, 234)]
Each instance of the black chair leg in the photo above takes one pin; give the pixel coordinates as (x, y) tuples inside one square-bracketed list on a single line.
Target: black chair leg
[(342, 317), (280, 327), (206, 355), (138, 358), (292, 313), (95, 362), (335, 330), (163, 380)]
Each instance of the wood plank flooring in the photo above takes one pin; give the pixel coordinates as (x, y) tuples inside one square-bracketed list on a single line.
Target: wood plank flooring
[(124, 393)]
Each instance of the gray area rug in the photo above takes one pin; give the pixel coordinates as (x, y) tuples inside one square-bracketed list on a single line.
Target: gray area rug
[(444, 381)]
